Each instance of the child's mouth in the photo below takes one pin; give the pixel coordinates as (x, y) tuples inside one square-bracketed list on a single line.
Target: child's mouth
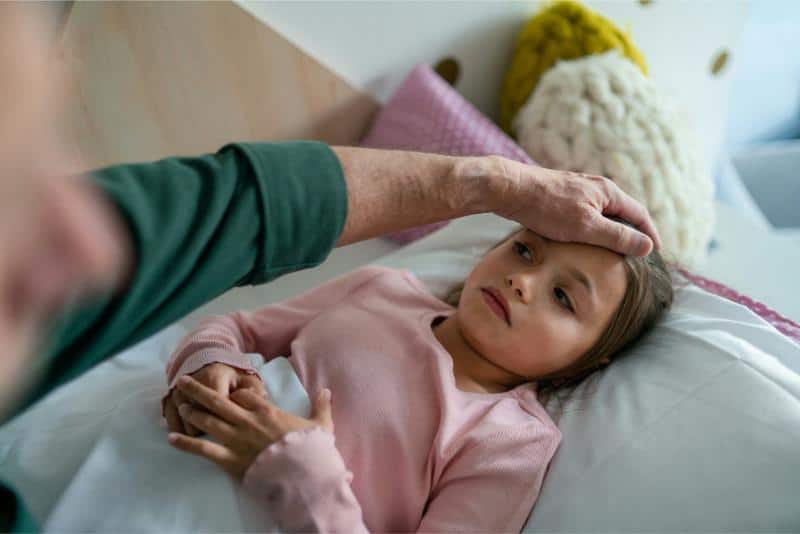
[(496, 303)]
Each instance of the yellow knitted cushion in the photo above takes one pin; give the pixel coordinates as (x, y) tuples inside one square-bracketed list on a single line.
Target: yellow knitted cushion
[(562, 30)]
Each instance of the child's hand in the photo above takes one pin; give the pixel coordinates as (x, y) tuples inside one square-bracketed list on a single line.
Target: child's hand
[(244, 424), (220, 377)]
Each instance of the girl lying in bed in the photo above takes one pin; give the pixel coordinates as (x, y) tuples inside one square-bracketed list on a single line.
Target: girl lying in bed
[(440, 424)]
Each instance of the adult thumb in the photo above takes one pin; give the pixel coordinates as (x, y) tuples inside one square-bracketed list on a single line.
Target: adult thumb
[(322, 410)]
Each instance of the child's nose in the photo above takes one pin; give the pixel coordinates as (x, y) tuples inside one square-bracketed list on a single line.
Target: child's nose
[(518, 286)]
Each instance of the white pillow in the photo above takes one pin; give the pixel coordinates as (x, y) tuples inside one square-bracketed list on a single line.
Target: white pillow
[(695, 430), (93, 455)]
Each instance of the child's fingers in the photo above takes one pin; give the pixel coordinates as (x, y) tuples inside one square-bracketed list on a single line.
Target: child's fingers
[(212, 401), (254, 384), (207, 422), (191, 430), (178, 399), (174, 423), (219, 454)]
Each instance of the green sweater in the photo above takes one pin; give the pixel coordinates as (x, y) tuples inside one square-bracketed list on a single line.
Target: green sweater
[(200, 226)]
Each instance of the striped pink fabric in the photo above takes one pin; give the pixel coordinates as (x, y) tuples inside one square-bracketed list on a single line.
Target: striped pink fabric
[(783, 324)]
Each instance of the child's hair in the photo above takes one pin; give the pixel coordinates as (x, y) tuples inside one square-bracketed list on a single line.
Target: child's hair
[(647, 296)]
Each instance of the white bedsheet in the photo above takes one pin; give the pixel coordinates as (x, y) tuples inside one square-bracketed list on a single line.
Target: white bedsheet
[(671, 439), (93, 456)]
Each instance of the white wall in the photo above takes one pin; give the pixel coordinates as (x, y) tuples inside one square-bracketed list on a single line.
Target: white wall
[(374, 44), (765, 97)]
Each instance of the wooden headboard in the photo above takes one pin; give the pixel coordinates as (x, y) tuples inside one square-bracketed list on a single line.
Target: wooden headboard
[(156, 79)]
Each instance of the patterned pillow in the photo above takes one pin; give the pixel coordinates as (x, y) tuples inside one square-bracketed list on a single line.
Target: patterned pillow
[(427, 115)]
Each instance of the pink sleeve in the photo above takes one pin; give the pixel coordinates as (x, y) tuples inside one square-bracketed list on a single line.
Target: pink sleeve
[(489, 487), (492, 485), (303, 480), (268, 331)]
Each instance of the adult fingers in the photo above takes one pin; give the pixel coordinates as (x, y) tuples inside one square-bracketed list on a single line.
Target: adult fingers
[(219, 454), (212, 401), (626, 207), (618, 236), (207, 422)]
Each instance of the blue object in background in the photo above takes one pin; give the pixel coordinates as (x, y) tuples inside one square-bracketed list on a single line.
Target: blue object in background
[(764, 101), (771, 174), (731, 190), (756, 171)]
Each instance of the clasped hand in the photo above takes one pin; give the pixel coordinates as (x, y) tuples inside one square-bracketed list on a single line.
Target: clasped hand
[(243, 423)]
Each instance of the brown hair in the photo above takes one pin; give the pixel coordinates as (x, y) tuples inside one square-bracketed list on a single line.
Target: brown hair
[(647, 296)]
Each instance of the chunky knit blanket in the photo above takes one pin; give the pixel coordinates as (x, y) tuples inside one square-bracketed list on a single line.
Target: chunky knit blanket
[(601, 115)]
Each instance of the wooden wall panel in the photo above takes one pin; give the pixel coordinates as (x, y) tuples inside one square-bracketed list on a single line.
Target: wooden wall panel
[(182, 78)]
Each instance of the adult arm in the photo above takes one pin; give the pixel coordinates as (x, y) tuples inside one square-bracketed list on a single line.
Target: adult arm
[(391, 190), (199, 226), (255, 211)]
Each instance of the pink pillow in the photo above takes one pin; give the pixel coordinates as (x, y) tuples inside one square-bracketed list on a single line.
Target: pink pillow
[(427, 115)]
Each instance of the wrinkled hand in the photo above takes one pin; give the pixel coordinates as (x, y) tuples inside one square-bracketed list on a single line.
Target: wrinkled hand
[(220, 377), (244, 424), (571, 206)]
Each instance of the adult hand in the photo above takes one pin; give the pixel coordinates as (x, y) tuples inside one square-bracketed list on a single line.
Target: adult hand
[(59, 237), (221, 378), (570, 206), (244, 424)]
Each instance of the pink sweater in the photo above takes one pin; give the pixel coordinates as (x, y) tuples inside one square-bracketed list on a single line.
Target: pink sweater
[(412, 452)]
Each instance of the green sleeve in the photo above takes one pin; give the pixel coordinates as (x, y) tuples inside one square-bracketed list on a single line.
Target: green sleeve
[(14, 515), (243, 216)]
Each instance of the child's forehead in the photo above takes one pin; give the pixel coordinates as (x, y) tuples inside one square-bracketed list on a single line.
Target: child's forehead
[(523, 233)]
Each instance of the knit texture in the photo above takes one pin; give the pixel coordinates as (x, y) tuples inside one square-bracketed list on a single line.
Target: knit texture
[(600, 115), (561, 31)]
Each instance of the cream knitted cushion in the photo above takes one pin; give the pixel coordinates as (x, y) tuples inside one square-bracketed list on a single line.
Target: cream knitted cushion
[(601, 115)]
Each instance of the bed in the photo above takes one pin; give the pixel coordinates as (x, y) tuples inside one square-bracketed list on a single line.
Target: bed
[(696, 432)]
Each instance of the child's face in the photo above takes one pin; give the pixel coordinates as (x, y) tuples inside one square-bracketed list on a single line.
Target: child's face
[(552, 318)]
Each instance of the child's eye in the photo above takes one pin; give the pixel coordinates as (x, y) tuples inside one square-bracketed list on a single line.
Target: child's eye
[(563, 299), (523, 250)]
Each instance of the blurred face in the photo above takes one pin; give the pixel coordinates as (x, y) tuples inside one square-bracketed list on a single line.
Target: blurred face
[(58, 238), (533, 306)]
